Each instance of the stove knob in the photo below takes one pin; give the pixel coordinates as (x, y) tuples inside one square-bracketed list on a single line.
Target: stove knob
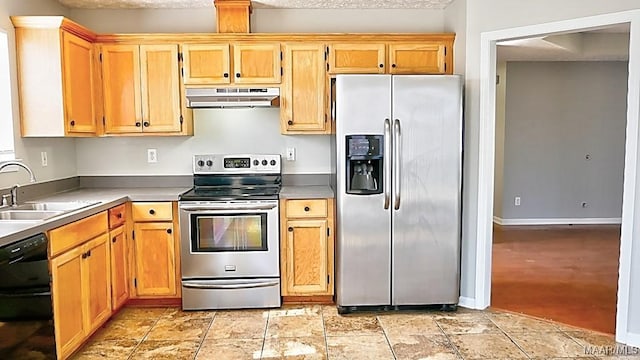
[(264, 162), (256, 162), (273, 163), (200, 163), (209, 163)]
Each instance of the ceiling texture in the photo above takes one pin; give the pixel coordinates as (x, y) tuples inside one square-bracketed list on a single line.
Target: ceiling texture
[(276, 4)]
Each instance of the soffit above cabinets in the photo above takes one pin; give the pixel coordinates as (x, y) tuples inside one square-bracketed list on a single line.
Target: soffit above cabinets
[(260, 4)]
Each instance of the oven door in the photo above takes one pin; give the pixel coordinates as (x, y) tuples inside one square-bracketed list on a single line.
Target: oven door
[(229, 239)]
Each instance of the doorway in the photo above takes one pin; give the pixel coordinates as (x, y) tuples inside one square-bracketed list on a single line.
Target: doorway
[(626, 290)]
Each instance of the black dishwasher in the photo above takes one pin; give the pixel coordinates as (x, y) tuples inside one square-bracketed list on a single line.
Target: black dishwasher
[(26, 314)]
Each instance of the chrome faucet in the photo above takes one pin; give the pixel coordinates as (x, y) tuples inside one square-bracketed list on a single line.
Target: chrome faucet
[(14, 188)]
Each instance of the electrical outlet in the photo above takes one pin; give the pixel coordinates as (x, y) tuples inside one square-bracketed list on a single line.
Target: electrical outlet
[(516, 201), (152, 156), (43, 158), (291, 154)]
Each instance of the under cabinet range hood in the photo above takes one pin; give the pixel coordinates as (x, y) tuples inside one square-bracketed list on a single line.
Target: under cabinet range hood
[(232, 97)]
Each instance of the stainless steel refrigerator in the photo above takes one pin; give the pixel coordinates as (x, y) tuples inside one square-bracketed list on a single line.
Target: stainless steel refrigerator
[(398, 180)]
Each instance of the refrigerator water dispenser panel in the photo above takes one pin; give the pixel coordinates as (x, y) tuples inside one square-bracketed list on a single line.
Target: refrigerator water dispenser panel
[(364, 164)]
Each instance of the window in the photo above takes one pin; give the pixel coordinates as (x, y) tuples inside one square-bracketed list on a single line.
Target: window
[(6, 113)]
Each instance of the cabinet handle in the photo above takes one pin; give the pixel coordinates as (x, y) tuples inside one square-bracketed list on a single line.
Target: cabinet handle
[(169, 231), (381, 65), (138, 124), (88, 253), (114, 240), (393, 65), (146, 124), (119, 216), (290, 229), (225, 75), (306, 208), (73, 123), (152, 212), (84, 255), (237, 74), (290, 122)]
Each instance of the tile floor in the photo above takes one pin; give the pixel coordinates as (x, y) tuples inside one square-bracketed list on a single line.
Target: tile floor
[(318, 332)]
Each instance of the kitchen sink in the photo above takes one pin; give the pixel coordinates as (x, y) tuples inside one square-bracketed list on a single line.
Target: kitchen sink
[(38, 211), (55, 206), (12, 214)]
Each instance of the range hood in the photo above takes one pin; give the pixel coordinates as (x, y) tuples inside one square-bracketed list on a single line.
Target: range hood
[(232, 97)]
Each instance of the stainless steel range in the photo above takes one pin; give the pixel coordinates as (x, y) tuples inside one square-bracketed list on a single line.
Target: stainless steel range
[(229, 233)]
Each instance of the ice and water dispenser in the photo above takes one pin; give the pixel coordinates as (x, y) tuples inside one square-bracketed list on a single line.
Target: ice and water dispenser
[(364, 164)]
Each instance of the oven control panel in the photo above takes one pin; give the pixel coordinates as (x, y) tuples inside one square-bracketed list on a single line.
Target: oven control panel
[(237, 164)]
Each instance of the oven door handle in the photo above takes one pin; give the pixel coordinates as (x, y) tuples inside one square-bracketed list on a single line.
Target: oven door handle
[(226, 208), (230, 286)]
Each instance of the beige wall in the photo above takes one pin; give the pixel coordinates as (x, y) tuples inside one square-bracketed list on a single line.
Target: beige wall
[(61, 152)]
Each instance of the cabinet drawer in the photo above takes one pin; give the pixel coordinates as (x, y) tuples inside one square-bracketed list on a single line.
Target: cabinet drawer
[(151, 211), (69, 236), (116, 216), (306, 208)]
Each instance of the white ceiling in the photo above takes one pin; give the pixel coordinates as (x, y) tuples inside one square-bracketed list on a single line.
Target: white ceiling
[(283, 4)]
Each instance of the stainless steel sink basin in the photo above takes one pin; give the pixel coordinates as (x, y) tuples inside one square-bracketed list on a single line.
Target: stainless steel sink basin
[(55, 206), (28, 214)]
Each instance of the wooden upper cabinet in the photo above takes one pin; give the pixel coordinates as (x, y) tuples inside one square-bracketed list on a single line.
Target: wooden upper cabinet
[(302, 101), (206, 64), (56, 76), (357, 59), (141, 89), (256, 63), (224, 63), (417, 58)]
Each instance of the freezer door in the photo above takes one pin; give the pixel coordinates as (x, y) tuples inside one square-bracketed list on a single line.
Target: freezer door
[(427, 127), (363, 252)]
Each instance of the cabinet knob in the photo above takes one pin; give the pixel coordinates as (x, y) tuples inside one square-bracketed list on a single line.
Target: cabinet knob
[(169, 231), (290, 122), (84, 255), (114, 239), (237, 74), (73, 123), (138, 124), (381, 65), (393, 65), (152, 212), (119, 216), (88, 253), (225, 75), (290, 229), (306, 208), (146, 124)]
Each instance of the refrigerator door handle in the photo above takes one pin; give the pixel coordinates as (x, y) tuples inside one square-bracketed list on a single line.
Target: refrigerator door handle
[(387, 162), (397, 155)]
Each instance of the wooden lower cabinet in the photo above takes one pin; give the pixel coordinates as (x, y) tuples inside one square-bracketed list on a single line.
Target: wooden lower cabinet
[(155, 262), (155, 259), (307, 247), (81, 293), (119, 268)]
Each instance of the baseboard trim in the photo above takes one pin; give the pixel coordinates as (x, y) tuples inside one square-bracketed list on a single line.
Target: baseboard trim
[(631, 339), (467, 302), (558, 221)]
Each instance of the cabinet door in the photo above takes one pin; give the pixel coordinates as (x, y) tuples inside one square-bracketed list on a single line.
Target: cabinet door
[(119, 268), (357, 59), (121, 88), (67, 295), (306, 258), (417, 58), (206, 64), (256, 63), (303, 96), (160, 88), (77, 59), (155, 259), (97, 280)]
